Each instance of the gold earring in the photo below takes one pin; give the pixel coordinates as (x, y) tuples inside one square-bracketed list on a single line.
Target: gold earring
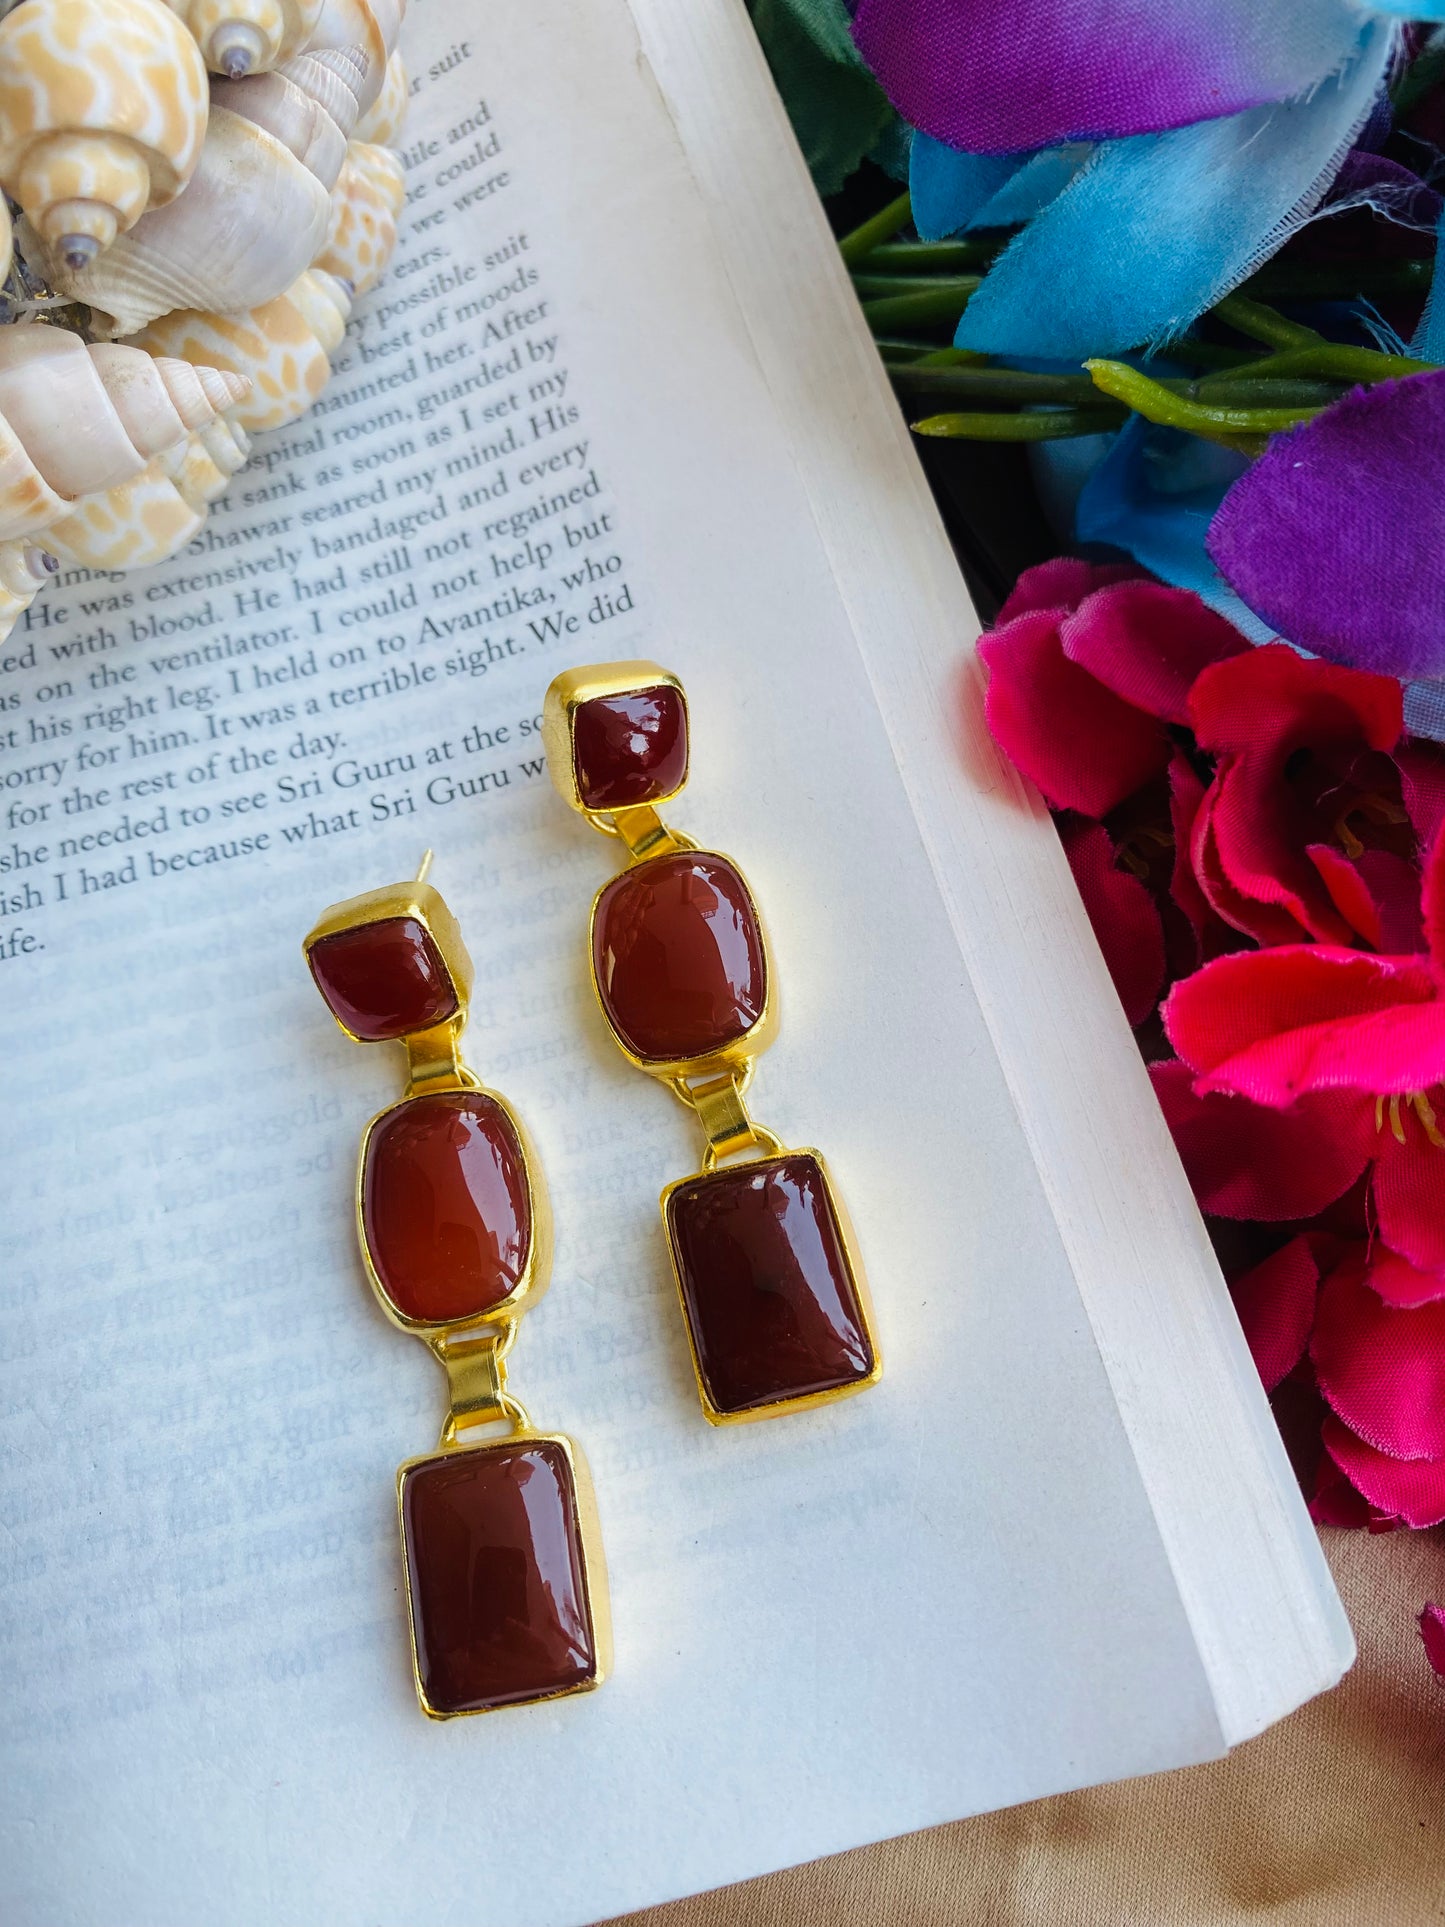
[(771, 1289), (506, 1590)]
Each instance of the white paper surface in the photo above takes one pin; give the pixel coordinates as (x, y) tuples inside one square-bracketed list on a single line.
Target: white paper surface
[(946, 1595)]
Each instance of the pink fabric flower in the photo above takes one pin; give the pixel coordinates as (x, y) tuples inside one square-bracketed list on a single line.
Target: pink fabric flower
[(1087, 666), (1304, 792), (1278, 1025)]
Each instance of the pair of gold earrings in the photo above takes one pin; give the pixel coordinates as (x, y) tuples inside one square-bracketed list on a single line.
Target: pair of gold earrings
[(505, 1582)]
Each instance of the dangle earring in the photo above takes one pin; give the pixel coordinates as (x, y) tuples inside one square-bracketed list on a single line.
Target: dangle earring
[(505, 1584), (772, 1293)]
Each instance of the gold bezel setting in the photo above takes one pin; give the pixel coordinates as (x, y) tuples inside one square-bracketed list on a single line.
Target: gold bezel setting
[(421, 904), (568, 692), (592, 1562), (857, 1280)]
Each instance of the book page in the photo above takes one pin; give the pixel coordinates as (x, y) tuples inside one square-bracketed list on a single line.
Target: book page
[(549, 441)]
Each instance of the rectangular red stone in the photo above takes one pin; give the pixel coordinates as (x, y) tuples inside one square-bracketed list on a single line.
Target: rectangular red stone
[(497, 1576), (773, 1307)]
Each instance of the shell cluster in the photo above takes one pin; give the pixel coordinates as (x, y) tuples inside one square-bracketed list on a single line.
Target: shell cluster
[(205, 184)]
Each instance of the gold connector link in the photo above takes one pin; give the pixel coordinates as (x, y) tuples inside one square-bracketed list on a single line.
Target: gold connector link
[(723, 1114), (477, 1394)]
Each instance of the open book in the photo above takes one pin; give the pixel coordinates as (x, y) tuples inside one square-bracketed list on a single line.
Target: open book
[(612, 400)]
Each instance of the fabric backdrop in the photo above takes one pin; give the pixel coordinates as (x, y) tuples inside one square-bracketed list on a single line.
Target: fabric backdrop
[(1335, 1818)]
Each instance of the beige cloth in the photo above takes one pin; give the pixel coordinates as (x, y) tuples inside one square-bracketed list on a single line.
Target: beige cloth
[(1335, 1818)]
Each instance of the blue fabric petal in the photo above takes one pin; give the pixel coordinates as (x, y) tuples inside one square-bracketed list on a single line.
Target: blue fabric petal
[(1158, 227), (1154, 496), (1429, 342), (1041, 179), (948, 187)]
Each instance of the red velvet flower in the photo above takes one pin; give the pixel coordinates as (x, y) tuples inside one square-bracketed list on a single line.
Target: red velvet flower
[(1303, 832)]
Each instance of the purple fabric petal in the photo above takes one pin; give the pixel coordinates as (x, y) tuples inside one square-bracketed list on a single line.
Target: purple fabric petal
[(1336, 536), (998, 78)]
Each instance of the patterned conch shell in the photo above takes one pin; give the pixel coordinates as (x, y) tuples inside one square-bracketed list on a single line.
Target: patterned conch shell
[(103, 110), (253, 217), (383, 119), (77, 419), (24, 571), (239, 37), (369, 27), (141, 522), (283, 347), (364, 208)]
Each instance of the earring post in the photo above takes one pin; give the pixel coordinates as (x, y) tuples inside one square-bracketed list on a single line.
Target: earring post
[(424, 867)]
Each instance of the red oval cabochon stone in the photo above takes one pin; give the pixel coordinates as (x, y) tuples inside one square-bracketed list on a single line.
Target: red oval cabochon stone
[(678, 956), (444, 1205)]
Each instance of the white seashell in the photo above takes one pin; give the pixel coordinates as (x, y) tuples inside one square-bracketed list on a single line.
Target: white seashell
[(252, 219), (228, 445), (367, 27), (283, 347), (297, 119), (7, 240), (25, 568), (334, 78), (76, 419), (364, 207), (383, 119), (239, 37), (140, 522), (103, 110)]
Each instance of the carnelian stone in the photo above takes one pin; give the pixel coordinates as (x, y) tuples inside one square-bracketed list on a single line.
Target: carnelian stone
[(444, 1205), (678, 956), (766, 1284), (383, 979), (631, 748), (497, 1575)]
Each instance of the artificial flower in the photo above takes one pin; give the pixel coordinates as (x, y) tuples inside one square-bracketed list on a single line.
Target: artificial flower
[(1246, 1160), (1276, 1301), (1087, 668), (1220, 130), (1278, 1025), (1381, 1368), (1303, 831), (1335, 537), (1124, 917)]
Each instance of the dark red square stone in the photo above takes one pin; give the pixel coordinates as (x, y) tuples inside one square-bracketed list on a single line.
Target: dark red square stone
[(383, 979), (444, 1205), (497, 1575), (630, 749), (766, 1285), (678, 956)]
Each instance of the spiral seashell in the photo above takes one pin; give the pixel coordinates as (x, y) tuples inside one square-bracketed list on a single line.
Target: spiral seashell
[(334, 78), (383, 119), (239, 37), (25, 568), (294, 116), (138, 523), (283, 347), (365, 27), (103, 110), (253, 217), (77, 419), (197, 476), (364, 206)]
